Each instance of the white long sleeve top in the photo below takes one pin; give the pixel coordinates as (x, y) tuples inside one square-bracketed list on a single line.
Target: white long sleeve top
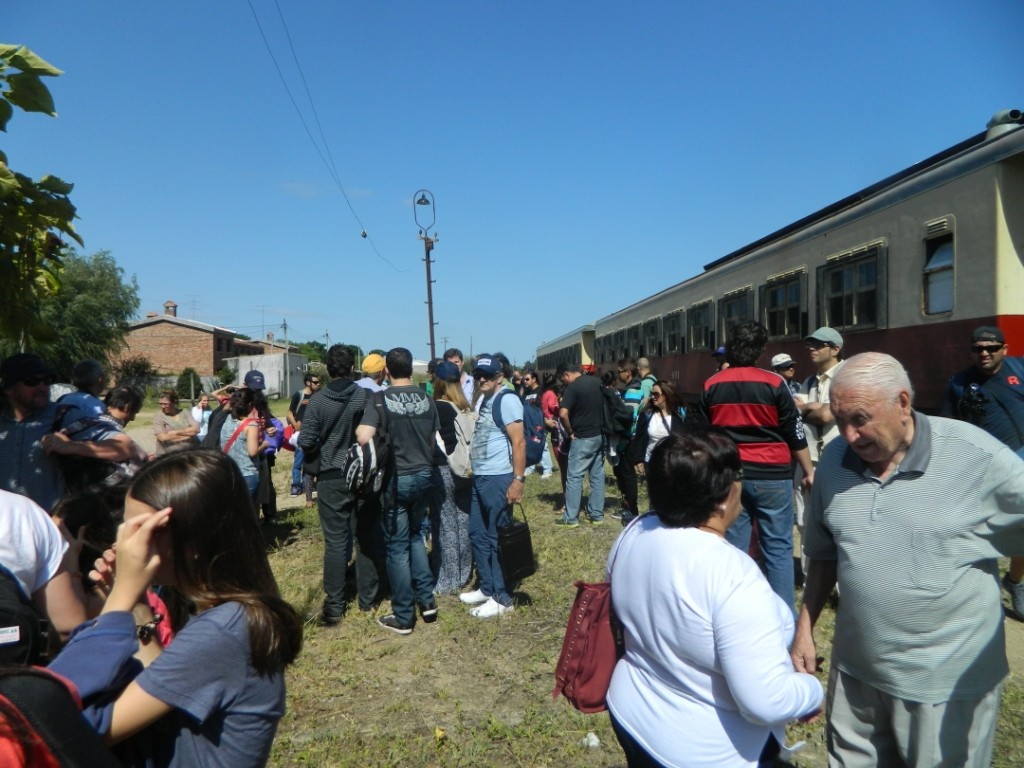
[(707, 674)]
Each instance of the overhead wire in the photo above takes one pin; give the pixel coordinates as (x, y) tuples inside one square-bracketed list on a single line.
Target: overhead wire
[(332, 169)]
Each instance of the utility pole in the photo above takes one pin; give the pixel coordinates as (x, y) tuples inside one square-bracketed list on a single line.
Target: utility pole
[(287, 360), (425, 199)]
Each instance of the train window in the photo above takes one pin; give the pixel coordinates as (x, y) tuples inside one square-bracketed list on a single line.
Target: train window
[(698, 326), (734, 308), (938, 275), (851, 296), (652, 337), (673, 332), (783, 306), (635, 347)]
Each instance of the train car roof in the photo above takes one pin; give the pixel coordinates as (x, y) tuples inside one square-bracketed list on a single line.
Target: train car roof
[(860, 196)]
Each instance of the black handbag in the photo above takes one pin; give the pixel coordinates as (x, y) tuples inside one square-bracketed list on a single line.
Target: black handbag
[(515, 549)]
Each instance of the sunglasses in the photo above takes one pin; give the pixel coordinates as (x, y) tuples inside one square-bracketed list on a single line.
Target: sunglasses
[(315, 382), (479, 376), (990, 348), (655, 395), (35, 381)]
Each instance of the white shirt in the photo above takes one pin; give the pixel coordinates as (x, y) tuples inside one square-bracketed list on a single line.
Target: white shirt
[(707, 673), (819, 393), (31, 546)]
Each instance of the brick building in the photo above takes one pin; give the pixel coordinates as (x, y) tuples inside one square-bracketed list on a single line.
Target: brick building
[(173, 344)]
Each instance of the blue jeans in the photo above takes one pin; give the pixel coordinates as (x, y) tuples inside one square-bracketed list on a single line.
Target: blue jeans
[(586, 455), (771, 503), (298, 456), (408, 568), (488, 509), (545, 458)]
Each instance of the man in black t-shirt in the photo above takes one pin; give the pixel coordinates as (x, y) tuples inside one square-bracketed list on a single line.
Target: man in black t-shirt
[(296, 410), (582, 415), (411, 425)]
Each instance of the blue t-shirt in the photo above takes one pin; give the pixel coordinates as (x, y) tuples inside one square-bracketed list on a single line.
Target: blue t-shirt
[(225, 714), (490, 453), (80, 405)]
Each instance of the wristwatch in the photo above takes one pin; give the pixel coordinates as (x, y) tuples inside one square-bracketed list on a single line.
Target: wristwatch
[(520, 478)]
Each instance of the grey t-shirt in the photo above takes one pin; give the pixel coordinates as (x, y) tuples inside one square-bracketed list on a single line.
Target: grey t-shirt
[(412, 422), (225, 714)]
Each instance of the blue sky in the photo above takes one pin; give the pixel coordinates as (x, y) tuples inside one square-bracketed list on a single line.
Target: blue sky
[(582, 155)]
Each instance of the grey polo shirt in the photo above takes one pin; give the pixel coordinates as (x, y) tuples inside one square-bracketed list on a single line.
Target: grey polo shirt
[(920, 615)]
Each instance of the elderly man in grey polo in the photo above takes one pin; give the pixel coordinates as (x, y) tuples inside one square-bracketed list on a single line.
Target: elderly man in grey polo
[(909, 513)]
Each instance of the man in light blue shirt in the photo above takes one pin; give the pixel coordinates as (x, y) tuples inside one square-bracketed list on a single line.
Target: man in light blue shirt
[(498, 457)]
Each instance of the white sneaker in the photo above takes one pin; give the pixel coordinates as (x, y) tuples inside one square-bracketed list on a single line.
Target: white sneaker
[(546, 476), (490, 609), (473, 598)]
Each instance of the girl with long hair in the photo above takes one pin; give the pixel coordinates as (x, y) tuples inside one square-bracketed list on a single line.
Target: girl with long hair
[(451, 556), (215, 695)]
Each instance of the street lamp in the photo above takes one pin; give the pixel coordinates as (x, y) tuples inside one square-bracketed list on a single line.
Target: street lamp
[(424, 199)]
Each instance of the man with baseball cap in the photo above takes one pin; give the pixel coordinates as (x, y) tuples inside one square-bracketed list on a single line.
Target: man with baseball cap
[(373, 373), (825, 346), (990, 394), (783, 365), (498, 458), (26, 415)]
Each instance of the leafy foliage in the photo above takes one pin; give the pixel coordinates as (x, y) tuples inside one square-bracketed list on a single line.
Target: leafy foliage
[(314, 350), (189, 385), (89, 317), (226, 375), (133, 369), (34, 215)]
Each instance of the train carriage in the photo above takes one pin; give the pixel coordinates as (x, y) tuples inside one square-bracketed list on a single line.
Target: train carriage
[(908, 266)]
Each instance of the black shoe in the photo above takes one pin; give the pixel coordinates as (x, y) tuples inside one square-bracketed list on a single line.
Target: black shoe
[(429, 613), (390, 623), (329, 621)]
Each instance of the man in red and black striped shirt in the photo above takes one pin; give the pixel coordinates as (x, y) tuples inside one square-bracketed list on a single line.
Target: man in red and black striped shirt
[(756, 409)]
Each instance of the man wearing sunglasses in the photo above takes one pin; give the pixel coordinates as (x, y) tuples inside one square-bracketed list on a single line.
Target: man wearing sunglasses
[(990, 394), (26, 415)]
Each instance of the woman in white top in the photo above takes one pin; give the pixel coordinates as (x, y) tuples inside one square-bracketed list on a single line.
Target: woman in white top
[(706, 675), (663, 414)]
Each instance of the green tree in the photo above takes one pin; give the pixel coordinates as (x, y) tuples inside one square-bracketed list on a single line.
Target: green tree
[(314, 350), (89, 317), (226, 375), (189, 385), (33, 214), (132, 369)]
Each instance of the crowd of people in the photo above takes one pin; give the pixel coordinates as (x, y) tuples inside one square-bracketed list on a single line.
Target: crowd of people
[(151, 561)]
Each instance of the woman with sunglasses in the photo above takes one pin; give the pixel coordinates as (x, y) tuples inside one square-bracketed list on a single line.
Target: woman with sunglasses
[(663, 415), (707, 646)]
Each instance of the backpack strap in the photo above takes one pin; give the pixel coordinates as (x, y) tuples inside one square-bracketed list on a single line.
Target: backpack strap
[(496, 410)]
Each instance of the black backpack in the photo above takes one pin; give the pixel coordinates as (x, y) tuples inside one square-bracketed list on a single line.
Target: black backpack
[(369, 468), (23, 632), (618, 417)]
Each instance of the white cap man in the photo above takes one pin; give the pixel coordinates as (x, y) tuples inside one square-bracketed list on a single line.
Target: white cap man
[(783, 365)]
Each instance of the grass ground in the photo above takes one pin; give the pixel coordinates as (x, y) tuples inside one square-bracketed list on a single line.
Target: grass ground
[(465, 692)]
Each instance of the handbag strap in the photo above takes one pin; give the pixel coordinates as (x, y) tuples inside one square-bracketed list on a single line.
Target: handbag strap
[(512, 509), (234, 435)]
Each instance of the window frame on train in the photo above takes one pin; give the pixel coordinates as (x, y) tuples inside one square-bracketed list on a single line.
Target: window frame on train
[(735, 307), (856, 295), (938, 276), (783, 302), (700, 326), (673, 328)]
